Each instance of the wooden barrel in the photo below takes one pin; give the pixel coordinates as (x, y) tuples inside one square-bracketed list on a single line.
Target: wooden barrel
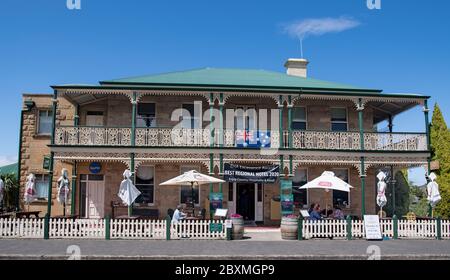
[(238, 228), (289, 228)]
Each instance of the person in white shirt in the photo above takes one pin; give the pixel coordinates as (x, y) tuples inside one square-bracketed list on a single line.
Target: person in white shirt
[(178, 215)]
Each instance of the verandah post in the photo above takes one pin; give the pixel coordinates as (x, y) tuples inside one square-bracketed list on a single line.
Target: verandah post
[(438, 228), (107, 227), (349, 227), (360, 109), (300, 228), (46, 226), (168, 224), (395, 226), (280, 108)]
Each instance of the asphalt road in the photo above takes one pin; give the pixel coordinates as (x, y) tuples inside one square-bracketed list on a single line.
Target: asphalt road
[(231, 250)]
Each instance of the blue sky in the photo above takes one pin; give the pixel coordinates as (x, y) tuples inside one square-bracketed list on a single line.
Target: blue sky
[(401, 48)]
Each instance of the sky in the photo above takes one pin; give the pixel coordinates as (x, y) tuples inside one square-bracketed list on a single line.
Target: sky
[(401, 48)]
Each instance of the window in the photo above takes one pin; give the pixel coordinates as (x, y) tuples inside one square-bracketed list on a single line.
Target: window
[(94, 118), (338, 119), (41, 186), (299, 118), (45, 122), (300, 196), (190, 119), (187, 191), (339, 197), (146, 115), (145, 183)]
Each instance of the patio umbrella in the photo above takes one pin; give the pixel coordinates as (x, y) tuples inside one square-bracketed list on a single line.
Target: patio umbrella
[(381, 191), (433, 191), (327, 181), (191, 177), (30, 191), (63, 189), (127, 191)]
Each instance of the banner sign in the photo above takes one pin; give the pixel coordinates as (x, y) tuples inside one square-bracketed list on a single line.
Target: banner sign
[(286, 185), (287, 204), (215, 201), (245, 174)]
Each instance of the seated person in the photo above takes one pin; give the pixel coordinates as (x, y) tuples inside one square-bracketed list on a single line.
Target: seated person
[(178, 215), (338, 213), (326, 213), (315, 213)]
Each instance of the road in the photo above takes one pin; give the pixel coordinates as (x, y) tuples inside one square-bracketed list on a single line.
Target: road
[(230, 250)]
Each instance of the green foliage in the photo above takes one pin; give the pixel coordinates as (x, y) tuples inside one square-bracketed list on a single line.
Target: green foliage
[(402, 197), (11, 191), (421, 207), (440, 146)]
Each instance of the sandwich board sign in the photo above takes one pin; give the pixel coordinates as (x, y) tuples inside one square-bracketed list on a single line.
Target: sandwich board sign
[(372, 227)]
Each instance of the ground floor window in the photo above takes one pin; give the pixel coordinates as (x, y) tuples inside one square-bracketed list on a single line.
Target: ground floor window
[(187, 195), (41, 186), (300, 196), (340, 198), (145, 183)]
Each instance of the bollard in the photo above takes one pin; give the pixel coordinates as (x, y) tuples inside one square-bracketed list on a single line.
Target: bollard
[(107, 227), (168, 224), (438, 228), (46, 226), (349, 227), (228, 234), (300, 228), (395, 226)]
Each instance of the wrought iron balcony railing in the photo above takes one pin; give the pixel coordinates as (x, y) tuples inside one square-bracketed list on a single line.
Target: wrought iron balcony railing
[(177, 137)]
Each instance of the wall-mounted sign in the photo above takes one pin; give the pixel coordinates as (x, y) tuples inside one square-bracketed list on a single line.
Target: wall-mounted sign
[(215, 201), (287, 204), (246, 174), (46, 163), (95, 167)]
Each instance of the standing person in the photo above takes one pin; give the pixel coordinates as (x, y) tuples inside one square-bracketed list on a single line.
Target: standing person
[(178, 215)]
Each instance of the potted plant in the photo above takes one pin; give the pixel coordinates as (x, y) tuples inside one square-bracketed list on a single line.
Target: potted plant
[(238, 226), (289, 227)]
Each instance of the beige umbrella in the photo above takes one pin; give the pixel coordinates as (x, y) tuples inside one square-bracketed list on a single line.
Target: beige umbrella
[(327, 181), (191, 177)]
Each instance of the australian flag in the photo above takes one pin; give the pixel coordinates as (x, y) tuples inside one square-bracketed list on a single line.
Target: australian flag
[(252, 139)]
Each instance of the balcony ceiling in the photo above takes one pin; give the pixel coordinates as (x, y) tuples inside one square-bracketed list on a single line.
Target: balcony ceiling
[(382, 110)]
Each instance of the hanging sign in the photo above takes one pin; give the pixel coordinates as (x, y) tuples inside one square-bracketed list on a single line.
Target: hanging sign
[(287, 204), (372, 227), (46, 163), (246, 174), (215, 201), (95, 167)]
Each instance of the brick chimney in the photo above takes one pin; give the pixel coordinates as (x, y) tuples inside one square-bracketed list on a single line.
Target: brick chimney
[(296, 67)]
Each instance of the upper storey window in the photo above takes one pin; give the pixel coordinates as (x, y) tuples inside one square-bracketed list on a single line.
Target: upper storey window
[(339, 119), (191, 120), (299, 118), (45, 122), (146, 115)]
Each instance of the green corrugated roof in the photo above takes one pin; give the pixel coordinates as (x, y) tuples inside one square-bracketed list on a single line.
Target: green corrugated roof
[(9, 169), (231, 78)]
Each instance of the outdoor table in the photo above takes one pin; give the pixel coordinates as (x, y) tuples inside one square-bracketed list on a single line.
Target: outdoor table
[(128, 217), (6, 215), (66, 217), (27, 214)]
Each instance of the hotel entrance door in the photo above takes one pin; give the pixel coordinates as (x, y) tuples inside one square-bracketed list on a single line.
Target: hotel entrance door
[(246, 201)]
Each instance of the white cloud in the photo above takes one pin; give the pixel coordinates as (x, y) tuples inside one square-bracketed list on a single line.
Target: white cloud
[(319, 26), (6, 160)]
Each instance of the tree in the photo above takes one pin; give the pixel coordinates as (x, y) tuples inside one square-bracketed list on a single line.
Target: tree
[(11, 191), (440, 151), (402, 196)]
